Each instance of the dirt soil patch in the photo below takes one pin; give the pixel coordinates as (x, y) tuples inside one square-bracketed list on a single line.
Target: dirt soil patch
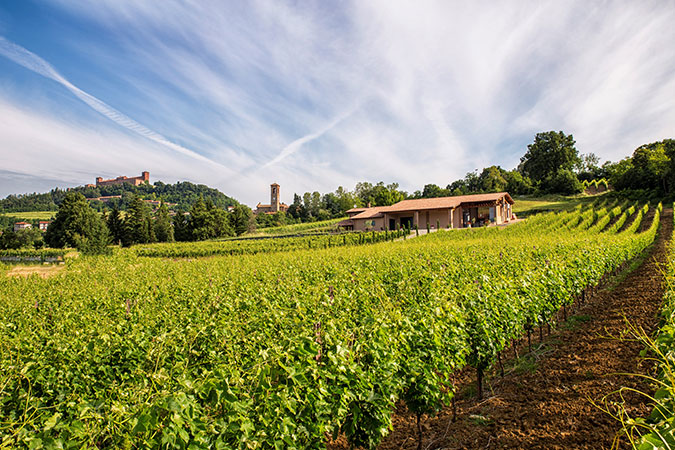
[(43, 271), (544, 401)]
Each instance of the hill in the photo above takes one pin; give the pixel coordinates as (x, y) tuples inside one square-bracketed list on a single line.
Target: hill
[(182, 194)]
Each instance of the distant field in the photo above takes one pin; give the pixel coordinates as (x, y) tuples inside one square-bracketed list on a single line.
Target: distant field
[(31, 215)]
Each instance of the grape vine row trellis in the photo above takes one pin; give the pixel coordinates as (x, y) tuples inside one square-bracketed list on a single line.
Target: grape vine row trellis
[(281, 350)]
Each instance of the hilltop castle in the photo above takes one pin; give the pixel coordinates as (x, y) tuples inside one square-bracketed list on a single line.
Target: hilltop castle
[(275, 205), (136, 181)]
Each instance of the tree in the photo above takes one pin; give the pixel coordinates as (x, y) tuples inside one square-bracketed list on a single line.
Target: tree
[(136, 223), (181, 227), (564, 181), (77, 225), (346, 200), (208, 222), (12, 240), (492, 179), (162, 226), (240, 219), (433, 190), (517, 184), (549, 153), (115, 225), (650, 168)]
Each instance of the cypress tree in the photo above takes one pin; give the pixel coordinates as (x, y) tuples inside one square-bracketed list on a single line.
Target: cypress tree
[(162, 225), (136, 230)]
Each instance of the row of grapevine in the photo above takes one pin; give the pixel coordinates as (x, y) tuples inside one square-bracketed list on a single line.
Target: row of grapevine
[(302, 227), (30, 255), (254, 246), (278, 350), (658, 430)]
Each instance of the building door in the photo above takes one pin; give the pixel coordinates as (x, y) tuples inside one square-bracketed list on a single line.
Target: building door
[(407, 222), (392, 224)]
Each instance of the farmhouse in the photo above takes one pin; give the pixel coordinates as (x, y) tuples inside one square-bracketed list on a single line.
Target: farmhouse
[(22, 226), (136, 181), (447, 212), (43, 224), (275, 204)]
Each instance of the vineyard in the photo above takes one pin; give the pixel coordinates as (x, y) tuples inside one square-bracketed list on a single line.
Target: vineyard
[(324, 225), (285, 349), (253, 246), (28, 255)]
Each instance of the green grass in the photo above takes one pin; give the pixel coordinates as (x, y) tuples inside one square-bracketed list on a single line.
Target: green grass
[(324, 225), (574, 321), (480, 420), (31, 215), (526, 205), (525, 364)]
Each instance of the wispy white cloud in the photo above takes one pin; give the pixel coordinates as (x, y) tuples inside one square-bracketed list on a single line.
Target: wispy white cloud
[(298, 143), (33, 62)]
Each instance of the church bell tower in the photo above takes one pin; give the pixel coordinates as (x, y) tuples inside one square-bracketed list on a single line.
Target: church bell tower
[(274, 197)]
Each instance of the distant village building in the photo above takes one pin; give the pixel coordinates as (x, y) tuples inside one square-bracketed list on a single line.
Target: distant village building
[(43, 224), (275, 205), (462, 211), (136, 181), (22, 226), (104, 199)]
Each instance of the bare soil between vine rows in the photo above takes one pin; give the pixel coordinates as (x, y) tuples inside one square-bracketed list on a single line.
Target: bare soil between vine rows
[(545, 400)]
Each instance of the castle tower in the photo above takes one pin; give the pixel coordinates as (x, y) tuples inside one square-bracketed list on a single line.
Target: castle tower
[(145, 176), (274, 197)]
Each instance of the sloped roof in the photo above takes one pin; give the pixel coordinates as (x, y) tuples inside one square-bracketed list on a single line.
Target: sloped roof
[(371, 213), (431, 203), (355, 210), (445, 202)]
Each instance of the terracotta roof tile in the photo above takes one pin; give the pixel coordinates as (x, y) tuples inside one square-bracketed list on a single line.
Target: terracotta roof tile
[(370, 213), (444, 202), (429, 203)]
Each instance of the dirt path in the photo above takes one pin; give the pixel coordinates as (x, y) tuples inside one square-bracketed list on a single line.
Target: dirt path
[(44, 271), (543, 402)]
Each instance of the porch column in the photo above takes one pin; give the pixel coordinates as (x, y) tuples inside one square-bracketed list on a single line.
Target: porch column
[(416, 219), (452, 225)]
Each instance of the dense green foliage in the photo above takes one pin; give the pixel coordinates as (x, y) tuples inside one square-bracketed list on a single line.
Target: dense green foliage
[(651, 168), (313, 206), (550, 153), (12, 240), (279, 350), (183, 194), (77, 225)]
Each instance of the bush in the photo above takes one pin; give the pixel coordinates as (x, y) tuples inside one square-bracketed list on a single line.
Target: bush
[(563, 182)]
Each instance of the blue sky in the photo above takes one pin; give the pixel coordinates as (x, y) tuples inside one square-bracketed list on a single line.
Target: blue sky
[(314, 95)]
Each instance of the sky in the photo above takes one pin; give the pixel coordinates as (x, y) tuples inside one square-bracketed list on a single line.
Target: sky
[(239, 94)]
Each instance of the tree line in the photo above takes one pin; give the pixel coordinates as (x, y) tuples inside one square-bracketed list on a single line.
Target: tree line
[(181, 194), (551, 165), (78, 225)]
